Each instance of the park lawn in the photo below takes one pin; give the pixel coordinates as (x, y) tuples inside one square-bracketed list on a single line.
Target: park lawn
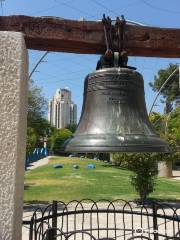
[(104, 182)]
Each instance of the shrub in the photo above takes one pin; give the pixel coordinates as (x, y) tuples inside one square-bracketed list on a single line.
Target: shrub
[(118, 158), (144, 168)]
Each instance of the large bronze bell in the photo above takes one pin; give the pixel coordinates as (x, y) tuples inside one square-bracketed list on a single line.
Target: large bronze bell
[(114, 116)]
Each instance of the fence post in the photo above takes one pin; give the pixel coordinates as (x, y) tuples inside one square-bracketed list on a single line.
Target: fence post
[(31, 230), (50, 234), (155, 225), (54, 220), (52, 231)]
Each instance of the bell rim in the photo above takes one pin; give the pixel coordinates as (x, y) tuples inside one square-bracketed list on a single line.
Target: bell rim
[(146, 144), (125, 149)]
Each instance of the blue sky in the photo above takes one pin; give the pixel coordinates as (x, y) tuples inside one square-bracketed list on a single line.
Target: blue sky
[(69, 70)]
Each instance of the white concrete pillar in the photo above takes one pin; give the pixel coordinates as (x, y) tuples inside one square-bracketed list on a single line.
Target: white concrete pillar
[(13, 115), (165, 169)]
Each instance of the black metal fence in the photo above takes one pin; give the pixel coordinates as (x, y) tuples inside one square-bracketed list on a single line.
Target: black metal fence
[(103, 219)]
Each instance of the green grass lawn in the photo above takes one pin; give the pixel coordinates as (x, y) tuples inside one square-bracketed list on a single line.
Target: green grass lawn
[(104, 182)]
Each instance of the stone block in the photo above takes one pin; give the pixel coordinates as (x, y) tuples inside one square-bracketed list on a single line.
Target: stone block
[(13, 118)]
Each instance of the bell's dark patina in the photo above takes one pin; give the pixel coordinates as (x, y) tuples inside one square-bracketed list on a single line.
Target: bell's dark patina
[(114, 116)]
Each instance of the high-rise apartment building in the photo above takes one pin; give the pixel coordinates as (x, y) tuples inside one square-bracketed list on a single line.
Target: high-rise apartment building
[(62, 111)]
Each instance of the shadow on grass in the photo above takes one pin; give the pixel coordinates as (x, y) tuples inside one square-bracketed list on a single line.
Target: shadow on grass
[(114, 166), (28, 186)]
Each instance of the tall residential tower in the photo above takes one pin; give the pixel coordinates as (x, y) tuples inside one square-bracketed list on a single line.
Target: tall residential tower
[(62, 111)]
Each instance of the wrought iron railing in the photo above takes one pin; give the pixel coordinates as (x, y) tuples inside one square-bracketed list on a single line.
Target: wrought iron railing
[(103, 219)]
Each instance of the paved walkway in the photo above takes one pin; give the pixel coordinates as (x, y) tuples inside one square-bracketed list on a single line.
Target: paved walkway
[(38, 163), (176, 175)]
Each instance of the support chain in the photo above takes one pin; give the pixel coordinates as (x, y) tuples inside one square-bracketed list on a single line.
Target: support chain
[(110, 58)]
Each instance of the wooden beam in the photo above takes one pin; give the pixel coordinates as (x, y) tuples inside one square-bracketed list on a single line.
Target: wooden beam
[(56, 34)]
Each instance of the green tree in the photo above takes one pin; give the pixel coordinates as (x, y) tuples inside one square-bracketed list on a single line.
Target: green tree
[(43, 130), (31, 139), (174, 124), (171, 92), (57, 139), (37, 104), (168, 126), (158, 122), (37, 126), (72, 127)]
